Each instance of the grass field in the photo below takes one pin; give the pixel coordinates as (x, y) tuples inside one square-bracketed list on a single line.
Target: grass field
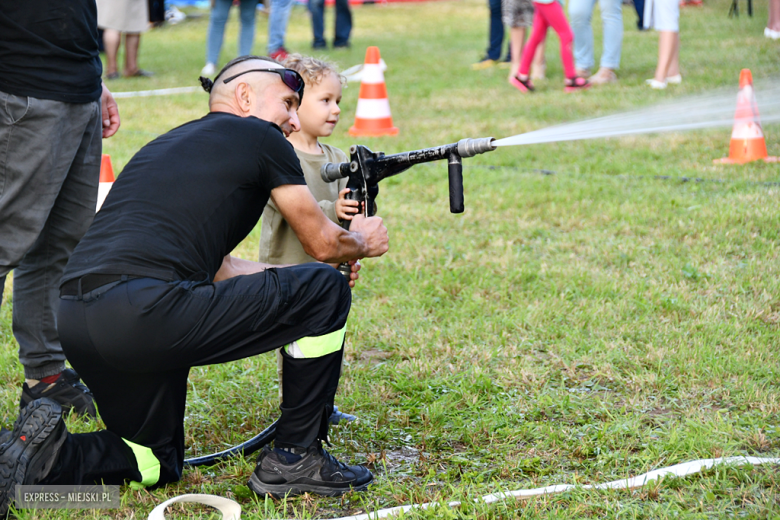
[(595, 322)]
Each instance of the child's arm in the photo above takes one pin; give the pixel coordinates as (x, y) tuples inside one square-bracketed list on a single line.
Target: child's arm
[(346, 208)]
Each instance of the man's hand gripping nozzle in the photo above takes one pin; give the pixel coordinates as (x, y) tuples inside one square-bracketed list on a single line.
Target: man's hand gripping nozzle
[(367, 168)]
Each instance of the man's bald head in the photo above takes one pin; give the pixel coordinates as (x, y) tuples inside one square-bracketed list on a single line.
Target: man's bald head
[(221, 92), (257, 93)]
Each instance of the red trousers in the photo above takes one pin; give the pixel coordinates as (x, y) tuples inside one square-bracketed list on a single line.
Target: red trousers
[(549, 15)]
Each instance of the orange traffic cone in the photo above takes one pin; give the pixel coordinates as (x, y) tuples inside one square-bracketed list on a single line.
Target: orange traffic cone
[(106, 179), (106, 170), (747, 138), (372, 117)]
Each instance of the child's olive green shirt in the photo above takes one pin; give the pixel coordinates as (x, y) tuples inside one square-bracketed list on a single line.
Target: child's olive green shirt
[(278, 243)]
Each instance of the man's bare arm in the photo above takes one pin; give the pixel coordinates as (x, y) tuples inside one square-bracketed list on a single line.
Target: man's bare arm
[(321, 238)]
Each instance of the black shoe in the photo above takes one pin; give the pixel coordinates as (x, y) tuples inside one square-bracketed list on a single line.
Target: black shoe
[(29, 454), (342, 45), (68, 391), (317, 45), (316, 472)]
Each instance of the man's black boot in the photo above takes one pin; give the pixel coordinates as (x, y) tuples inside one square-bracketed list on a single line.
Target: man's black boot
[(316, 471), (68, 391), (29, 453)]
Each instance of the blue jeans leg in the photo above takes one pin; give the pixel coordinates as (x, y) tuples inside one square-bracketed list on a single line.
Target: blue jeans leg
[(612, 18), (49, 171), (343, 23), (317, 10), (216, 30), (246, 37), (277, 23), (580, 14), (496, 36)]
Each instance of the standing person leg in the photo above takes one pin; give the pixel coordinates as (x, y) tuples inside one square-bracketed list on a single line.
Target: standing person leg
[(639, 6), (538, 33), (612, 18), (554, 14), (47, 204), (215, 34), (132, 45), (111, 41), (277, 28), (495, 37), (580, 15), (317, 10), (343, 24), (539, 63), (667, 42), (246, 36), (517, 15), (673, 73), (773, 22), (516, 45), (496, 34)]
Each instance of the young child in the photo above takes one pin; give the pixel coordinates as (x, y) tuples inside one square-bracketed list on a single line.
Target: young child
[(549, 13), (318, 114), (519, 16)]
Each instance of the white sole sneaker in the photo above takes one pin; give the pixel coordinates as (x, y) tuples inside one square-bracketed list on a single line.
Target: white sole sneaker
[(769, 33), (208, 70), (654, 83), (674, 80)]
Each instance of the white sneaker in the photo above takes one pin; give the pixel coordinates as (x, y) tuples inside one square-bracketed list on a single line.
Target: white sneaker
[(174, 16), (654, 83), (208, 70), (769, 33), (674, 80)]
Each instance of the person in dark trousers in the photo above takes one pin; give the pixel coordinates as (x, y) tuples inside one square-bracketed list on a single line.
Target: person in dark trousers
[(152, 291), (54, 111), (495, 38), (343, 24)]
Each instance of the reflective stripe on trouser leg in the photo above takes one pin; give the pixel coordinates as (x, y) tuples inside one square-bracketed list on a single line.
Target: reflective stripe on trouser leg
[(318, 346), (148, 464)]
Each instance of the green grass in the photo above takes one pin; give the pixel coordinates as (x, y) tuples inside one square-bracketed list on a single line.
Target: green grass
[(575, 327)]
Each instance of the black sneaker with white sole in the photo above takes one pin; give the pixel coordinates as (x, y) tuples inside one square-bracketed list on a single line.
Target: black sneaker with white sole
[(316, 472), (30, 451), (68, 391)]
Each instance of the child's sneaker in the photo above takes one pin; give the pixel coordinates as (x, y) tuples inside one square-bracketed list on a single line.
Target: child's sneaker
[(523, 85), (577, 83)]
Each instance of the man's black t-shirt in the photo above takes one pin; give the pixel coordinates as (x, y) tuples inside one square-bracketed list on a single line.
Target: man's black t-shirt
[(49, 50), (187, 199)]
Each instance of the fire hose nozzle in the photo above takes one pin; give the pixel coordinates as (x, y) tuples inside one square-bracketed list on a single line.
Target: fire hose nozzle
[(471, 147), (331, 172)]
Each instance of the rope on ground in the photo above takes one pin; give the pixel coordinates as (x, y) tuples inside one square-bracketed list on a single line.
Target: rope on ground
[(678, 470), (158, 92)]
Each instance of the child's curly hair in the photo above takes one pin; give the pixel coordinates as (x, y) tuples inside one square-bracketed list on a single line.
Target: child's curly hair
[(312, 70)]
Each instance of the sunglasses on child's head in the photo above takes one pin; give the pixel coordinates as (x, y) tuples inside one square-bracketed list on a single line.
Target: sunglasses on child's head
[(290, 78)]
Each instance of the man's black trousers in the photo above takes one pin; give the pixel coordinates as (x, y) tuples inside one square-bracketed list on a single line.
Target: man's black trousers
[(133, 343)]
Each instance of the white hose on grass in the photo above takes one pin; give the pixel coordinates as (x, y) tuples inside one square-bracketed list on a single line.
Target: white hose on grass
[(678, 470)]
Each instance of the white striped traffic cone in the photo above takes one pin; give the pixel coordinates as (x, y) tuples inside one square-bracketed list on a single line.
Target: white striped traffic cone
[(372, 117), (747, 138), (106, 179)]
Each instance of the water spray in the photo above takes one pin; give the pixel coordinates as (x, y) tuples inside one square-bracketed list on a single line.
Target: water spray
[(715, 109), (366, 169)]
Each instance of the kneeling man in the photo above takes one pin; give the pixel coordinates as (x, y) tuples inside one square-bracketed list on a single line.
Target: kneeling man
[(151, 291)]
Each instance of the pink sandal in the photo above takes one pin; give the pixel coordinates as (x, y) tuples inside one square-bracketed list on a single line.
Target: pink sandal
[(576, 84), (523, 85)]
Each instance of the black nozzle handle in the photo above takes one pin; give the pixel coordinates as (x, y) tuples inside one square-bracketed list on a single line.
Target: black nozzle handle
[(331, 172), (455, 166), (472, 147)]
